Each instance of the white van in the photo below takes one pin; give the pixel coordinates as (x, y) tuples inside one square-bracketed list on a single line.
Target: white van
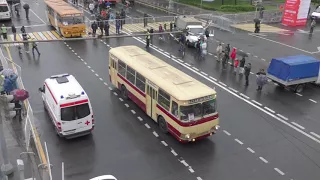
[(68, 106), (5, 13)]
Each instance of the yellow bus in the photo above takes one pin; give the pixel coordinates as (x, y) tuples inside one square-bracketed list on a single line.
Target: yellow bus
[(67, 20), (180, 104)]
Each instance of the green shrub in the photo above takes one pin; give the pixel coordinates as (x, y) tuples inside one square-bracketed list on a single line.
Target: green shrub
[(237, 8)]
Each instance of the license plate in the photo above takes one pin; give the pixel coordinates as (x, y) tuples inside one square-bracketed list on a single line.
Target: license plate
[(71, 132)]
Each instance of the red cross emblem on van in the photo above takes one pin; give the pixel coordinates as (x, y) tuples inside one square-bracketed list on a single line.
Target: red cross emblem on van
[(87, 123)]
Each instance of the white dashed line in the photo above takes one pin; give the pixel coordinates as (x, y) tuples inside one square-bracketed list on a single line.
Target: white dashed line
[(275, 84), (313, 100), (82, 60), (195, 68), (256, 102), (160, 49), (184, 162), (121, 99), (248, 53), (75, 54), (105, 83), (140, 119), (100, 79), (223, 84), (263, 159), (212, 78), (179, 60), (164, 143), (108, 45), (263, 59), (298, 125), (110, 88), (147, 125), (92, 70), (226, 132), (187, 64), (191, 170), (216, 56), (127, 105), (251, 150), (173, 152), (89, 67), (104, 43), (279, 171), (315, 134), (66, 44), (298, 94), (283, 117), (244, 96), (204, 73), (210, 54), (167, 53), (85, 63), (251, 73), (155, 134), (269, 109), (237, 140), (241, 50), (256, 56), (79, 57), (72, 50), (233, 89), (199, 178), (97, 75), (173, 56), (133, 112)]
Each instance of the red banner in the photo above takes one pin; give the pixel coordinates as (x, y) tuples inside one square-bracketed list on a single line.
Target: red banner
[(296, 12)]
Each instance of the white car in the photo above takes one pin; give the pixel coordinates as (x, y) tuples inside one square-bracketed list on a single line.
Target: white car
[(316, 14)]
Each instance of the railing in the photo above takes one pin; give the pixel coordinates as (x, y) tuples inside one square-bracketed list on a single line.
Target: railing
[(269, 16)]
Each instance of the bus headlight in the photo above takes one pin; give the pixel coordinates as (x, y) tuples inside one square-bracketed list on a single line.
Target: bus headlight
[(187, 136)]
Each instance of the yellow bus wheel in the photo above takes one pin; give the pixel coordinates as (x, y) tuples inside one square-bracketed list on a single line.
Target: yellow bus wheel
[(163, 124)]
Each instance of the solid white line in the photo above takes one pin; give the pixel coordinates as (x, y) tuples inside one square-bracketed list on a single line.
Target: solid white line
[(133, 112), (269, 109), (105, 83), (251, 150), (164, 143), (298, 125), (226, 132), (110, 88), (298, 94), (191, 170), (121, 99), (223, 84), (313, 100), (115, 93), (173, 152), (238, 141), (279, 171), (213, 78), (97, 75), (199, 178), (127, 105), (187, 64), (101, 79), (283, 117), (147, 125), (244, 96), (140, 119), (263, 159), (315, 134), (184, 162), (204, 73), (155, 134), (233, 89), (195, 69)]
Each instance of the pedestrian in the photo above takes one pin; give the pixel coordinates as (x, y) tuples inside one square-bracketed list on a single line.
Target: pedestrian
[(4, 32), (233, 56), (219, 52), (94, 27), (8, 85), (224, 60), (106, 28), (161, 31), (227, 50), (26, 7), (236, 65), (261, 11), (14, 32), (247, 70), (171, 26), (145, 20), (123, 17), (23, 29), (261, 79), (147, 38), (151, 36), (118, 26), (313, 25), (165, 26), (34, 47), (91, 8), (101, 26), (207, 33), (241, 65)]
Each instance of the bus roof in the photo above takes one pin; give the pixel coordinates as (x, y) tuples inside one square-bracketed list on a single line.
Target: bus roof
[(175, 82), (62, 88), (62, 8)]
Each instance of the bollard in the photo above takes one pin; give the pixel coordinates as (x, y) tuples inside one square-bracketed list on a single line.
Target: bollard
[(20, 166)]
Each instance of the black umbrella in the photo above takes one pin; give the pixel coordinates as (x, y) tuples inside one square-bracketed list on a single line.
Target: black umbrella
[(26, 6), (241, 53)]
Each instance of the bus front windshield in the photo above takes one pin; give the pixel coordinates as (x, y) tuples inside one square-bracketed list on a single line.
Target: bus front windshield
[(72, 20), (192, 112)]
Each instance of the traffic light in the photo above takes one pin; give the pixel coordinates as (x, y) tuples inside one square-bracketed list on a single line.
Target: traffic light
[(8, 106)]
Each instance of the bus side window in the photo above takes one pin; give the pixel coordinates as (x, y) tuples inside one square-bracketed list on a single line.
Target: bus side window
[(174, 108), (114, 64)]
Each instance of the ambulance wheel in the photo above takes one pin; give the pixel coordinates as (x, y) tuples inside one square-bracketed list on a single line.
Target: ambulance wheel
[(124, 92), (163, 124)]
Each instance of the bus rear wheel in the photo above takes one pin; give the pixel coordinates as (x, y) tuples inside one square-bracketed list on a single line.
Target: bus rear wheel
[(163, 125), (124, 92)]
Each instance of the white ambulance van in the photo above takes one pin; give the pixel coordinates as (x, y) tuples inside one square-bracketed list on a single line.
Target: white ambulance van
[(5, 13), (68, 106)]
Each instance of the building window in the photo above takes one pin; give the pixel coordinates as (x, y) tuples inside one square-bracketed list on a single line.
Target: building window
[(122, 68), (131, 75), (164, 99), (140, 82)]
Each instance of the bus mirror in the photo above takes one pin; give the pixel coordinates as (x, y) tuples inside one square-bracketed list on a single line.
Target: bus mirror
[(41, 90)]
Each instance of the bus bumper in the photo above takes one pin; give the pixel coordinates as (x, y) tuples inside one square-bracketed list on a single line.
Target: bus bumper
[(79, 134), (183, 138)]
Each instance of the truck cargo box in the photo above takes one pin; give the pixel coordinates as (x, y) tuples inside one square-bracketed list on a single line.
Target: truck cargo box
[(183, 21), (293, 68)]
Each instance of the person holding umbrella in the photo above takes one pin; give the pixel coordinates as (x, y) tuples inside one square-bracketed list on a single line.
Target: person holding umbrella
[(19, 96), (26, 7), (261, 79)]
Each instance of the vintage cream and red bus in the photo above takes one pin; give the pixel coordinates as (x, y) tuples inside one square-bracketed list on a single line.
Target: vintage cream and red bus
[(179, 103)]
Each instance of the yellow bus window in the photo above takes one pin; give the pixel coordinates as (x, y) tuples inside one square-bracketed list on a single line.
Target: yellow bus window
[(140, 82), (122, 68), (164, 99), (174, 108)]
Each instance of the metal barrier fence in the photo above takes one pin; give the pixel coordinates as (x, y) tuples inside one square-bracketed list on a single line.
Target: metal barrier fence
[(272, 16)]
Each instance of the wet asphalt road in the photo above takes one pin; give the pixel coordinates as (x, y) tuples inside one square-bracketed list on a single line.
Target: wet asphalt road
[(123, 146)]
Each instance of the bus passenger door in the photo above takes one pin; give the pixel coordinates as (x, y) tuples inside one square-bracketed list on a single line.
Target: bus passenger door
[(113, 72), (56, 22), (152, 95)]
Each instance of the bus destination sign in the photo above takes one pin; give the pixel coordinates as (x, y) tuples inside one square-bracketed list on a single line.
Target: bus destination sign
[(205, 98)]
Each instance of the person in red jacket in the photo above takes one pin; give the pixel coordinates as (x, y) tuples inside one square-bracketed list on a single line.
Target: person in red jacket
[(233, 56)]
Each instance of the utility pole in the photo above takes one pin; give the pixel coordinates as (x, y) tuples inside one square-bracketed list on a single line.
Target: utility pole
[(6, 167)]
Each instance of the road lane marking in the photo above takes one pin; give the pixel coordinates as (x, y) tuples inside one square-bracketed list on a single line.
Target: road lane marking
[(251, 73), (51, 35), (251, 150), (79, 57), (223, 84), (97, 75), (89, 67), (263, 59), (100, 79), (283, 117), (133, 112), (256, 56), (233, 89), (191, 170), (195, 68), (155, 134), (256, 102), (238, 141), (298, 125), (299, 94), (244, 96), (199, 178), (167, 53), (263, 159), (127, 105), (269, 109), (313, 100), (85, 63), (226, 132), (72, 50), (164, 143), (43, 36), (140, 119), (184, 162), (174, 153), (115, 93), (213, 78), (147, 125), (204, 73), (120, 99), (279, 171), (187, 64), (105, 83), (180, 60), (110, 88), (315, 134)]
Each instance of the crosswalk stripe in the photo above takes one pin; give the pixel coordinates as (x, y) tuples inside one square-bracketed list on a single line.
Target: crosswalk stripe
[(56, 34), (10, 39), (46, 35), (20, 37), (32, 36), (37, 35), (42, 36), (51, 35)]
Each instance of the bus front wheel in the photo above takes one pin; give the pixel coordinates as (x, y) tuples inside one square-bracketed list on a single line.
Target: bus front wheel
[(163, 125), (124, 92)]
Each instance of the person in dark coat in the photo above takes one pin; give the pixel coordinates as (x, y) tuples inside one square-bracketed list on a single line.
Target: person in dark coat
[(101, 26), (151, 36), (145, 20), (123, 17), (224, 60), (241, 65), (118, 26), (14, 32), (247, 70), (26, 7), (261, 79), (106, 28), (94, 27)]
